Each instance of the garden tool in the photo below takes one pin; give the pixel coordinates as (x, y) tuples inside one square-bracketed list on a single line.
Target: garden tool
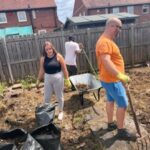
[(143, 142), (94, 72), (89, 63), (133, 112)]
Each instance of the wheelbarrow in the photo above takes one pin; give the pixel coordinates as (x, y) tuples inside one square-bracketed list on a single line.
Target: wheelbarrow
[(85, 83)]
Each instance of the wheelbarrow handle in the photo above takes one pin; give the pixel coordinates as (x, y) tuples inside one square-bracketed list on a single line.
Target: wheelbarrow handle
[(133, 111)]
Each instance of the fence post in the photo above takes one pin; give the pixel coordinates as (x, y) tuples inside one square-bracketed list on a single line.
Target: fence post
[(132, 45), (37, 46), (1, 72), (7, 60), (63, 41), (89, 46)]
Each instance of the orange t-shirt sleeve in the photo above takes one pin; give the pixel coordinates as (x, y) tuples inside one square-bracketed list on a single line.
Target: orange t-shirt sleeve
[(103, 48)]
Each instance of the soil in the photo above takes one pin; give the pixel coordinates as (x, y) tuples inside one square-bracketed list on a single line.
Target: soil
[(19, 111)]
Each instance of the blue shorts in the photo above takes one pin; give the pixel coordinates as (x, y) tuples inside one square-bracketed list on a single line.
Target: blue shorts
[(115, 91)]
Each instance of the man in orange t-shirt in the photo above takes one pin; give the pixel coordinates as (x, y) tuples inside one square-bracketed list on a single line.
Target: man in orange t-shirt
[(111, 68)]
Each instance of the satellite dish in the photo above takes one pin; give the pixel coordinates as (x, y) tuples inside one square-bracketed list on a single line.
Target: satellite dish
[(64, 9)]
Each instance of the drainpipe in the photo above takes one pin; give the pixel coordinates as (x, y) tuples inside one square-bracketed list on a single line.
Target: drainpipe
[(108, 8), (30, 17)]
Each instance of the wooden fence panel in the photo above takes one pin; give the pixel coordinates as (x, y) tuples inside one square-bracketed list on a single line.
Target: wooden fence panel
[(22, 56), (123, 41), (19, 57), (141, 42), (81, 37)]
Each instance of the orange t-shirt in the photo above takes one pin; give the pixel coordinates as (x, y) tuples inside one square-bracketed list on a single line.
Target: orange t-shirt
[(106, 46)]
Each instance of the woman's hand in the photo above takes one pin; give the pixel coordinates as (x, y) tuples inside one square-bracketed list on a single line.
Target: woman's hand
[(67, 83)]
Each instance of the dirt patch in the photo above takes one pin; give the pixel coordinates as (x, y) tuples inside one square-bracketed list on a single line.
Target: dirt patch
[(20, 111)]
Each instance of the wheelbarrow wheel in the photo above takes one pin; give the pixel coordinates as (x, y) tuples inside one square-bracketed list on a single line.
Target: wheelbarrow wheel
[(81, 98)]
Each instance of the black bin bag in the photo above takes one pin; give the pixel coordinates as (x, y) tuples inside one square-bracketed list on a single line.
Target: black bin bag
[(45, 114), (31, 144), (7, 147), (48, 136)]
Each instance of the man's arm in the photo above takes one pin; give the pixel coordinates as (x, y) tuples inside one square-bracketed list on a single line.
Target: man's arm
[(111, 68), (79, 47), (108, 64)]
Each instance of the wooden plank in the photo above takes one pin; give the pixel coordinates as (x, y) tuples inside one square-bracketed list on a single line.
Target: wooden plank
[(132, 45), (7, 60), (2, 73), (37, 47), (24, 61)]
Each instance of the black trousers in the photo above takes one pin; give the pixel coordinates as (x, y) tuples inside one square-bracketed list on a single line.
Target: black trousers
[(72, 70)]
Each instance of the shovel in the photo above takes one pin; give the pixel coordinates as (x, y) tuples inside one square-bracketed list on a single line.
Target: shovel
[(90, 64)]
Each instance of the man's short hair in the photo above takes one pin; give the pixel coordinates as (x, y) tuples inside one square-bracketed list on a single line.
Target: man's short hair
[(71, 38)]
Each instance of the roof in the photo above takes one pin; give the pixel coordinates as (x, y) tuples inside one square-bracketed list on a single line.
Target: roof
[(103, 3), (23, 4), (99, 18)]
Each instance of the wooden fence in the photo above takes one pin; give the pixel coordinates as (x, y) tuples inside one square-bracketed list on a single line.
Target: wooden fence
[(19, 57)]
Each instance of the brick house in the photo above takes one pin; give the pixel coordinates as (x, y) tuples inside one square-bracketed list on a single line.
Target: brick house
[(19, 17), (93, 7)]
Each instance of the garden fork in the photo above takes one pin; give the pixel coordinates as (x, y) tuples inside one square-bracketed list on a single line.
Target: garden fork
[(142, 141)]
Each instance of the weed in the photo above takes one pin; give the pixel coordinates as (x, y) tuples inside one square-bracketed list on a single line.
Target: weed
[(30, 79), (2, 88), (27, 82)]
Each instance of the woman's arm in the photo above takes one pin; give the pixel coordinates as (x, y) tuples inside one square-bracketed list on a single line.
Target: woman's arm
[(41, 70), (63, 65)]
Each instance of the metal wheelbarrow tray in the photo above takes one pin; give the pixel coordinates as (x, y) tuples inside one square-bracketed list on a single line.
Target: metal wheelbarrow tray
[(89, 80)]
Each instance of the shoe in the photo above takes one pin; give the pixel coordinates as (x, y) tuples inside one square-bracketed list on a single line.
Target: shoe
[(112, 126), (123, 134), (60, 116)]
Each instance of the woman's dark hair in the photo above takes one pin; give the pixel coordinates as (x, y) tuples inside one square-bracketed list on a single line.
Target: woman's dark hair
[(52, 46)]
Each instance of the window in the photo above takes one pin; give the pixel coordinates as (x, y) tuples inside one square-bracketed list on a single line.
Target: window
[(130, 9), (41, 31), (33, 14), (145, 9), (21, 16), (3, 18), (115, 10)]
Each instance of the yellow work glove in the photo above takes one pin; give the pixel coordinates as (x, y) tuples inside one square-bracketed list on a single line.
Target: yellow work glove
[(67, 83), (123, 77)]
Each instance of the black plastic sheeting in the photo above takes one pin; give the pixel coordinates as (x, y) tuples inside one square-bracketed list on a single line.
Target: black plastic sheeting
[(7, 147), (46, 137)]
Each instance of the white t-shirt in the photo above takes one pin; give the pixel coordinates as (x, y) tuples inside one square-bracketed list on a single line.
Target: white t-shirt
[(71, 48)]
